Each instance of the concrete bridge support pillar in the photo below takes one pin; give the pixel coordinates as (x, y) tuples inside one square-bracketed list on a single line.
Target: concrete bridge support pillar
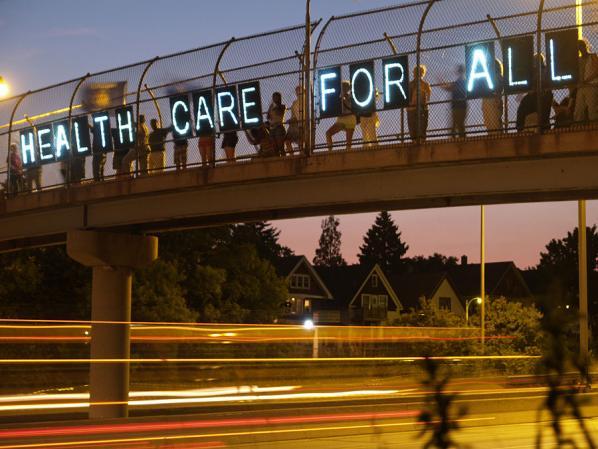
[(113, 258)]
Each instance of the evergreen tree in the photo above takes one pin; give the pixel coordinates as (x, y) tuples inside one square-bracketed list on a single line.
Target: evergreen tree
[(328, 253), (264, 237), (382, 243)]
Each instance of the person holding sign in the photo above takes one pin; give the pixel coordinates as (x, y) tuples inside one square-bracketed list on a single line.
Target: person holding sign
[(458, 92), (347, 121), (15, 164), (295, 131), (425, 92), (586, 100), (276, 113), (157, 143)]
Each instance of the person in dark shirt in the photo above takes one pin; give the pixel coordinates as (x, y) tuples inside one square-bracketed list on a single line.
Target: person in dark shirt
[(98, 160), (261, 138), (458, 91), (527, 112), (157, 143), (180, 153)]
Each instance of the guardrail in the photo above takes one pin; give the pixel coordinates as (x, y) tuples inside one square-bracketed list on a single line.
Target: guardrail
[(434, 33)]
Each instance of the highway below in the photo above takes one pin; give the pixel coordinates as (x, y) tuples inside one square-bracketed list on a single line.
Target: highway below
[(494, 419)]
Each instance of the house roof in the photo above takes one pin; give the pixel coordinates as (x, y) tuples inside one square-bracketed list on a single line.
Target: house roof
[(343, 282), (285, 265), (466, 278), (410, 287)]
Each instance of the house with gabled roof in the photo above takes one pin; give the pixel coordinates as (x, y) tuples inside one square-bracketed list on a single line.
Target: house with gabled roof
[(306, 290), (362, 294), (502, 279), (435, 287)]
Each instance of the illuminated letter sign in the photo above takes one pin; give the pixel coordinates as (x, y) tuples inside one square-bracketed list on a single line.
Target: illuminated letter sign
[(126, 128), (80, 135), (180, 114), (563, 59), (102, 135), (228, 110), (28, 147), (481, 72), (45, 143), (518, 54), (251, 104), (363, 92), (329, 86), (204, 113), (62, 146), (396, 82)]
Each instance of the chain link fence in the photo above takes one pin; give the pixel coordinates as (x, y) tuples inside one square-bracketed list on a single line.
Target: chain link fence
[(433, 33)]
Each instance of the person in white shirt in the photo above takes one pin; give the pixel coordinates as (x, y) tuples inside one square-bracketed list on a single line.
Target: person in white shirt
[(586, 100)]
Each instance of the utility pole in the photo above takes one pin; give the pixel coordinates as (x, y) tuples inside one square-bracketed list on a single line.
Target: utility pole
[(483, 275), (582, 245)]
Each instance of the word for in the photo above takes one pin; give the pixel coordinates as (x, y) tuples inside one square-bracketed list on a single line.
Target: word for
[(483, 74)]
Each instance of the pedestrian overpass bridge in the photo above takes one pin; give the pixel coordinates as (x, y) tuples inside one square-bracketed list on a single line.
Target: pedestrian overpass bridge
[(557, 165)]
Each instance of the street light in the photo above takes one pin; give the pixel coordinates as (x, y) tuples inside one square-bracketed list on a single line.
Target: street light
[(478, 300), (4, 88)]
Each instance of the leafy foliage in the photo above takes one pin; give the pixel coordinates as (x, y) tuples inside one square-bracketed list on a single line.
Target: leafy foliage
[(382, 243), (328, 254), (438, 419), (426, 315), (435, 263), (158, 295), (563, 398)]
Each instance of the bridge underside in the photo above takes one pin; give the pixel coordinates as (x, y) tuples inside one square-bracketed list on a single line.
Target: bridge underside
[(505, 169)]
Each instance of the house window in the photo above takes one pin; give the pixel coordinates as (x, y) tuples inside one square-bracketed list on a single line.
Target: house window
[(444, 303), (300, 281), (374, 280), (374, 301), (294, 306)]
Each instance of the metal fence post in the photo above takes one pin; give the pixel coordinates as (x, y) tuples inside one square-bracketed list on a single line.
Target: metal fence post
[(70, 118), (307, 97), (214, 75), (137, 101), (12, 117), (312, 112), (418, 99), (539, 68)]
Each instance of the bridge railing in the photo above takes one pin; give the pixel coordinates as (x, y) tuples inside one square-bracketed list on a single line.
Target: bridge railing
[(433, 33)]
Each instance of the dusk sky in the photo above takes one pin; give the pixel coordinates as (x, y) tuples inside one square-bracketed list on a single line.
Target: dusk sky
[(44, 42)]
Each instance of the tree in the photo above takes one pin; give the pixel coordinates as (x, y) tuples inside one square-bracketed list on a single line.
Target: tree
[(514, 326), (382, 244), (158, 295), (426, 315), (328, 254), (265, 238), (432, 264), (558, 268), (252, 290)]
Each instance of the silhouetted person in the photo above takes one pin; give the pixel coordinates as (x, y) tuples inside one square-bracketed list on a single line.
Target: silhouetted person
[(157, 143), (347, 120), (492, 107), (180, 153), (275, 116), (586, 100), (260, 137), (295, 130), (527, 112), (98, 159), (15, 164), (458, 92), (425, 92)]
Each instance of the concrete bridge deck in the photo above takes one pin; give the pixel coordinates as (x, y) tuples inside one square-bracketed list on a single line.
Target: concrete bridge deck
[(509, 168)]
